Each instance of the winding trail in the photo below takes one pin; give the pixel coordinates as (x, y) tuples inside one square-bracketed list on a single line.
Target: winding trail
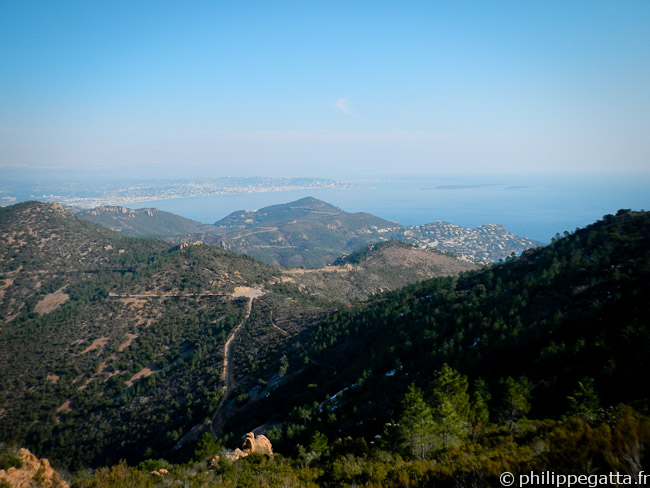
[(218, 418), (284, 332), (227, 375)]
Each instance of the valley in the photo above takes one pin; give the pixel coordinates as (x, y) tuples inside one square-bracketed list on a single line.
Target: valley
[(114, 318), (115, 347), (322, 245)]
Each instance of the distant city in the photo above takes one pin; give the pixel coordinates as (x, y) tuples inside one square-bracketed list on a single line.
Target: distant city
[(91, 194)]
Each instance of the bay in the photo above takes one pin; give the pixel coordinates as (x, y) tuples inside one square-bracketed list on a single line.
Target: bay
[(535, 206)]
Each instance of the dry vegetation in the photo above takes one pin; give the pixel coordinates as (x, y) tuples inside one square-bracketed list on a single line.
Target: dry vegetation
[(375, 269)]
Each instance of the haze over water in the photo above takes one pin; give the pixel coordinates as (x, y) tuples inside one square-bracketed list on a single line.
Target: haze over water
[(536, 206)]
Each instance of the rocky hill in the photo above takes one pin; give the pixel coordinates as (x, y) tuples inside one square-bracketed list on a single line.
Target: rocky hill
[(310, 233), (28, 471), (307, 233), (374, 269)]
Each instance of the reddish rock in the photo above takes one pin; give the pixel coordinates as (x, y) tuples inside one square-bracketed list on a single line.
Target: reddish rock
[(33, 473)]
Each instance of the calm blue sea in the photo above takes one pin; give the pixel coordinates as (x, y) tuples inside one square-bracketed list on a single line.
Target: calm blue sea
[(536, 206)]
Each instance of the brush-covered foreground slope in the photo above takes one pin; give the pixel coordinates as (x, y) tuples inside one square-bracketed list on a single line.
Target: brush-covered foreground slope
[(561, 329), (110, 345), (519, 366), (374, 269)]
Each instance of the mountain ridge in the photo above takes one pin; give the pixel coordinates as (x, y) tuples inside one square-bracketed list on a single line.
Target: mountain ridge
[(311, 233), (145, 222)]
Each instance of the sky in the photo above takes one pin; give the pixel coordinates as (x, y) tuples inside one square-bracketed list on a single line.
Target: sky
[(333, 89)]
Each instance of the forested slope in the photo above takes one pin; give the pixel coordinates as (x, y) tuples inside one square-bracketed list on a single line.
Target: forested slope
[(537, 363), (574, 309), (562, 332), (110, 345)]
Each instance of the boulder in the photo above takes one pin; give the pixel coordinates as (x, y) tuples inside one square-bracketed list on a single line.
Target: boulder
[(33, 473), (252, 444), (260, 445)]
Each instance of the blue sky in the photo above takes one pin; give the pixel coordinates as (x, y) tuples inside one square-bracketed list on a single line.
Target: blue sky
[(334, 89)]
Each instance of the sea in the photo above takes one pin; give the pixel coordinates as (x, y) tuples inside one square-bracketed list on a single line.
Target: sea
[(538, 206)]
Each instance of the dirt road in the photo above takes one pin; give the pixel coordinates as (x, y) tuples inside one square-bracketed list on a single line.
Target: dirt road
[(227, 375)]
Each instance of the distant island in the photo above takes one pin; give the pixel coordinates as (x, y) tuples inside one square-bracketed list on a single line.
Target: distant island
[(464, 187)]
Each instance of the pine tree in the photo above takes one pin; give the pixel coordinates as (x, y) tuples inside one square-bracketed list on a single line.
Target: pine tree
[(515, 404), (479, 412), (451, 406), (416, 424), (584, 402)]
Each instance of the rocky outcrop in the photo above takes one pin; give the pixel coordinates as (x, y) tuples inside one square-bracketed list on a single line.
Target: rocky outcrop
[(252, 444), (260, 445), (185, 245), (34, 472)]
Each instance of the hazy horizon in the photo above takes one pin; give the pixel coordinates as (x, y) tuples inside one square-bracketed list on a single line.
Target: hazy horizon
[(532, 205), (336, 90), (29, 174)]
